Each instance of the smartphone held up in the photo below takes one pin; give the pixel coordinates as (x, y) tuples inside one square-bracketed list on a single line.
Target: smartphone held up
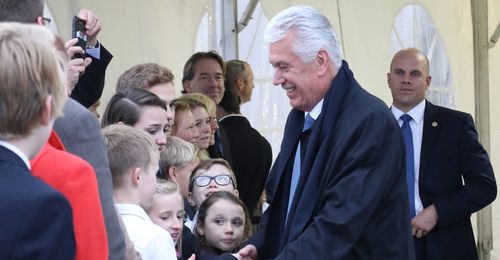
[(78, 31)]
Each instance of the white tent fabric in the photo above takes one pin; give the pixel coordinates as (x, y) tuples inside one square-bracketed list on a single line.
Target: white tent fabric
[(267, 110)]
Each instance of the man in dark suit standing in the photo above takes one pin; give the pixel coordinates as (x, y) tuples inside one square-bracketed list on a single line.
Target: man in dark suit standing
[(449, 173), (35, 220), (250, 151), (337, 188), (204, 73)]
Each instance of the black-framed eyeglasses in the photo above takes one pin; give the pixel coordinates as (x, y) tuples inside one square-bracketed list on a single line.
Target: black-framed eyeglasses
[(222, 180), (46, 21)]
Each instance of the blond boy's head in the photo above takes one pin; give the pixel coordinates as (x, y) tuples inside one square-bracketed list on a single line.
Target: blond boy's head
[(133, 160), (32, 76), (178, 159)]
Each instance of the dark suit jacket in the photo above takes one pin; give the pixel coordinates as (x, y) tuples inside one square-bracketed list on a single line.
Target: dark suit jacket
[(91, 84), (226, 147), (251, 155), (451, 151), (351, 200), (81, 135), (35, 220)]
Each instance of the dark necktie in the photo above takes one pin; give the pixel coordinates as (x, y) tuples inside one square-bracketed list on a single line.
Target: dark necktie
[(297, 164), (410, 163), (218, 143)]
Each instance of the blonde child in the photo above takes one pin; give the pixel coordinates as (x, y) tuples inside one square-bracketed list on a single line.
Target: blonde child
[(223, 225), (184, 123), (177, 161), (167, 210), (201, 120), (133, 160)]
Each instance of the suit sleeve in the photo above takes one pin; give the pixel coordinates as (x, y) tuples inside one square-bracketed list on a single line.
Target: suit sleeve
[(258, 238), (91, 84), (88, 144), (47, 233), (364, 194), (479, 187)]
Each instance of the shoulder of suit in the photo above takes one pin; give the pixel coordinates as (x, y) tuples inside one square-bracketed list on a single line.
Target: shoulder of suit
[(450, 112)]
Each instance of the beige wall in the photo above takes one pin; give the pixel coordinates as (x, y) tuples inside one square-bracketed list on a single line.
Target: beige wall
[(494, 60), (164, 32)]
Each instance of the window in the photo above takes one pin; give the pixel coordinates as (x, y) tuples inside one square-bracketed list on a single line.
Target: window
[(413, 27)]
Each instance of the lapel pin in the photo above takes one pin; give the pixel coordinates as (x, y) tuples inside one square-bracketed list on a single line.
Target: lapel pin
[(434, 124)]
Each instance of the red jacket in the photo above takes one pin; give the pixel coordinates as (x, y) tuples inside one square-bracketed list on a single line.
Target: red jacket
[(76, 180)]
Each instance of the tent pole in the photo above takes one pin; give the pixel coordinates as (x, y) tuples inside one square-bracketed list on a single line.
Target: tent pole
[(479, 10), (229, 33)]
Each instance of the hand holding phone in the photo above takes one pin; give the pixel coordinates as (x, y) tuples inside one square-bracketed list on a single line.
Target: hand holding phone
[(79, 32)]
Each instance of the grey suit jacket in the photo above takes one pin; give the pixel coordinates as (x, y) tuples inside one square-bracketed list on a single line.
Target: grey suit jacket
[(81, 135)]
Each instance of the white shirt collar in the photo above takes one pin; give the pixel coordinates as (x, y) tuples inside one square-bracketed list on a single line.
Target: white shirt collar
[(416, 113), (132, 209), (17, 151), (231, 115), (316, 111)]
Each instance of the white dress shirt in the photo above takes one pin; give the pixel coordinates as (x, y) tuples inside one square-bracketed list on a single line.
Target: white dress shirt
[(150, 240), (191, 224), (94, 52), (417, 129), (316, 111)]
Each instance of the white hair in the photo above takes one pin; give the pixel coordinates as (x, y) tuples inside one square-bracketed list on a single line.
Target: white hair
[(312, 32)]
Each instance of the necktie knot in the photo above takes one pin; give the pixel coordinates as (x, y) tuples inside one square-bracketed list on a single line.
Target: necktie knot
[(308, 122), (406, 120)]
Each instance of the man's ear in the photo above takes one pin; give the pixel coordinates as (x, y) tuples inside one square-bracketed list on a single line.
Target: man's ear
[(172, 172), (39, 20), (186, 84), (239, 84), (46, 113), (322, 62), (236, 192), (428, 82)]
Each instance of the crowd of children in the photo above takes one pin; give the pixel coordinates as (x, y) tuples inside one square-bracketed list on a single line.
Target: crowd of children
[(173, 193)]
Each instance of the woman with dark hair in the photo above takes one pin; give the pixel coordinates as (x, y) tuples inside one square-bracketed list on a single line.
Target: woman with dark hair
[(140, 109), (223, 225)]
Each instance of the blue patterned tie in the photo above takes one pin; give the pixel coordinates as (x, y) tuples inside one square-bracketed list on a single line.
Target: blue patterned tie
[(410, 163), (297, 165)]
